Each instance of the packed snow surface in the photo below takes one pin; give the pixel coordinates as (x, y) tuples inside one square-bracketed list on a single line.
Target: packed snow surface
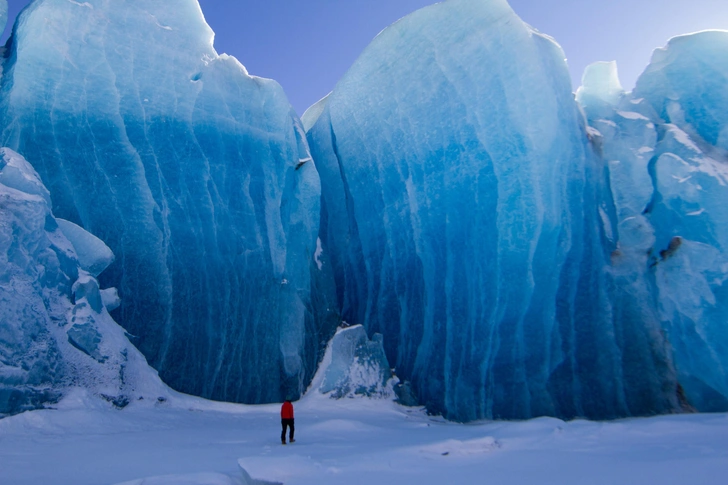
[(186, 441)]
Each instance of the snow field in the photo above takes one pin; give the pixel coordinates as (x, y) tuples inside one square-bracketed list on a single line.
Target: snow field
[(189, 441)]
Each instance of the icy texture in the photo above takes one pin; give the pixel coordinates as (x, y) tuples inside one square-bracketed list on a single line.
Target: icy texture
[(110, 298), (50, 309), (600, 81), (686, 84), (197, 176), (668, 175), (461, 214), (351, 442), (17, 174), (354, 365), (93, 254), (196, 479)]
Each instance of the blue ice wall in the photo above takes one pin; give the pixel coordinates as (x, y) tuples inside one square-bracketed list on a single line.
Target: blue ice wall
[(197, 175), (662, 148), (468, 219), (665, 148)]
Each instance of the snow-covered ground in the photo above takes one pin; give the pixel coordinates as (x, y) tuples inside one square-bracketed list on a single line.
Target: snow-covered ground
[(353, 441)]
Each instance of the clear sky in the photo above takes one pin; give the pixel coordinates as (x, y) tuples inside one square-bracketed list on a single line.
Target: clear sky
[(308, 45)]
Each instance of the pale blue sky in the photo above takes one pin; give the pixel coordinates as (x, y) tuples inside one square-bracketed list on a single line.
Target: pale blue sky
[(308, 45)]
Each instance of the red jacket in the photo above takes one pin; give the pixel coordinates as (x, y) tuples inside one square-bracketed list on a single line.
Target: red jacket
[(287, 410)]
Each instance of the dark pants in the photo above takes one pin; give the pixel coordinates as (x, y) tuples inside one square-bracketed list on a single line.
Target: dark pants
[(284, 424)]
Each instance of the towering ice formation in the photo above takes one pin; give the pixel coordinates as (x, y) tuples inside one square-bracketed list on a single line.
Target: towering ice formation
[(463, 211), (197, 175), (665, 149), (518, 260), (56, 331)]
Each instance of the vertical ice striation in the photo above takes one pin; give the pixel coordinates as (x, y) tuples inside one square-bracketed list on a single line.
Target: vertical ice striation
[(668, 172), (522, 253), (197, 175), (687, 85), (461, 213)]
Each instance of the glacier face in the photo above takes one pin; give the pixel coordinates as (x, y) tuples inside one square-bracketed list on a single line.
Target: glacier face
[(197, 175), (523, 254), (686, 85), (55, 331), (468, 220), (663, 148)]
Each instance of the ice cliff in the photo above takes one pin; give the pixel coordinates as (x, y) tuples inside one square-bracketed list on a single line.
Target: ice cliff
[(517, 260), (521, 252), (197, 176), (664, 148), (56, 331)]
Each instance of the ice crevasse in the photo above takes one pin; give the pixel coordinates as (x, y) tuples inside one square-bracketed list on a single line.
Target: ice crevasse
[(196, 174), (517, 259)]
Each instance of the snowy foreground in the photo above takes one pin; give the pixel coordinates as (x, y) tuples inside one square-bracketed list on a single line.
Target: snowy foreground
[(189, 441)]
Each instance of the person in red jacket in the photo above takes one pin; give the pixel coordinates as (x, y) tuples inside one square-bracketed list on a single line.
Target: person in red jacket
[(286, 421)]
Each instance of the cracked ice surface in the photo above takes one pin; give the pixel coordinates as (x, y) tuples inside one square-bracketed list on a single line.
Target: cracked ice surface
[(685, 84), (460, 214), (668, 172), (186, 167), (56, 331)]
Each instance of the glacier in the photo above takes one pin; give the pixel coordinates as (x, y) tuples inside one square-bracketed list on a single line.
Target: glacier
[(523, 253), (512, 248), (664, 144), (197, 176), (56, 333)]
